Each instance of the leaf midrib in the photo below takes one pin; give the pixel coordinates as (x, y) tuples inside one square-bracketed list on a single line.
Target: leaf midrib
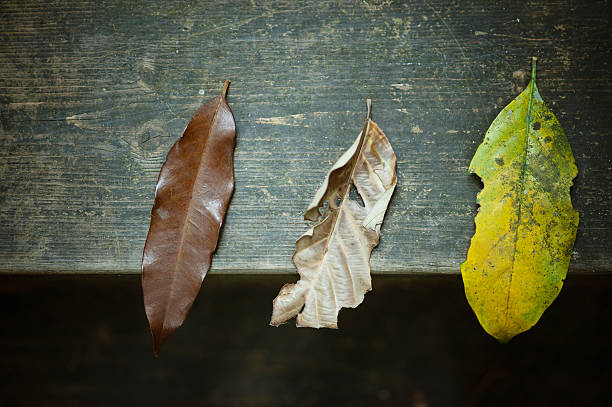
[(185, 223), (363, 137), (522, 188)]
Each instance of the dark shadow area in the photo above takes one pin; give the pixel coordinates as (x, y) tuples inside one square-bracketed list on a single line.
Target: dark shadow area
[(84, 341)]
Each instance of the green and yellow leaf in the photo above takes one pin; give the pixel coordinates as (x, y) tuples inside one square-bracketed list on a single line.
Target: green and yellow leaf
[(526, 225)]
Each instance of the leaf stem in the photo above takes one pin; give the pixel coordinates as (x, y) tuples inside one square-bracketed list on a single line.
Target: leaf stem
[(225, 86), (369, 106), (533, 67)]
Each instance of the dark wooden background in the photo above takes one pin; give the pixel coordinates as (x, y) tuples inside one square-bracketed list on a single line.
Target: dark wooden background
[(83, 341), (94, 93)]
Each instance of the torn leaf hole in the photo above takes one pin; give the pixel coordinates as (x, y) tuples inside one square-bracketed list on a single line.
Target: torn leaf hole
[(355, 196), (537, 126), (323, 209)]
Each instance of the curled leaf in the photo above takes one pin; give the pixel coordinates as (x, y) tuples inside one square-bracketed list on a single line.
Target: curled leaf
[(192, 194), (526, 226), (333, 257)]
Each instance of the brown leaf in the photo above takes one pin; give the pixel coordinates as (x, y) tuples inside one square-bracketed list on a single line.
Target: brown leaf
[(192, 194), (333, 257)]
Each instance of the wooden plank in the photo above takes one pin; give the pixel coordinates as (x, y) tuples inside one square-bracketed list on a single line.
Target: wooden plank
[(93, 94)]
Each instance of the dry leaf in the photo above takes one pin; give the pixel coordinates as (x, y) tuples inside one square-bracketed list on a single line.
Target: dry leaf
[(192, 194), (526, 225), (333, 257)]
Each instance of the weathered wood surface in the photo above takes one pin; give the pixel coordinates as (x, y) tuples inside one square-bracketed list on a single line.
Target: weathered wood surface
[(93, 94)]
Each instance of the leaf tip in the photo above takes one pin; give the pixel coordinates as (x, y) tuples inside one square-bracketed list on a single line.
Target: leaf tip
[(504, 339), (158, 340), (156, 346)]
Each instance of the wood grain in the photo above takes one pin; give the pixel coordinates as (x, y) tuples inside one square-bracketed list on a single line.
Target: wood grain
[(94, 94)]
